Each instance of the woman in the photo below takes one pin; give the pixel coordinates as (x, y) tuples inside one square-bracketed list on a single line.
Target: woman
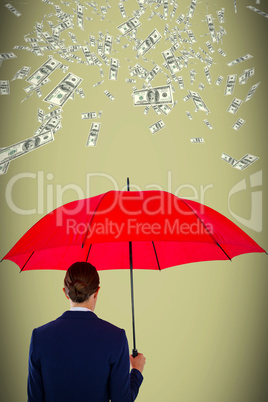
[(79, 357)]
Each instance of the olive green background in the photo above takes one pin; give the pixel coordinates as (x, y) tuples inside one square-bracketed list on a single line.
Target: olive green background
[(203, 326)]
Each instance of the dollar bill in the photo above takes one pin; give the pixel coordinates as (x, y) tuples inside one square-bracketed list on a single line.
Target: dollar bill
[(219, 80), (221, 52), (201, 86), (22, 73), (211, 28), (52, 125), (63, 91), (62, 27), (122, 10), (220, 14), (73, 37), (3, 167), (4, 87), (50, 40), (238, 124), (90, 115), (229, 89), (153, 96), (198, 101), (149, 42), (229, 159), (197, 140), (108, 43), (16, 150), (210, 47), (13, 10), (239, 60), (191, 35), (246, 75), (129, 25), (130, 81), (80, 16), (192, 8), (150, 76), (40, 115), (157, 109), (180, 19), (114, 66), (43, 72), (208, 124), (87, 55), (54, 113), (256, 10), (180, 82), (245, 162), (165, 109), (7, 56), (93, 135), (234, 106), (171, 61), (109, 95), (98, 83), (157, 126), (207, 74), (187, 97), (252, 91), (189, 115)]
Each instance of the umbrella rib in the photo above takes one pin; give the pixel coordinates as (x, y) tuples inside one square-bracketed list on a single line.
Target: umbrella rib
[(26, 262), (156, 256), (88, 251), (205, 228), (94, 213)]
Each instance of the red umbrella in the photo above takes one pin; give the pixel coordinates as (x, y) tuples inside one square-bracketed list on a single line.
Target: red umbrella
[(130, 230)]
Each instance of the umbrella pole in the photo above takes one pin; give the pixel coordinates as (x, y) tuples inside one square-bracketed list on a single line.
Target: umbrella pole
[(134, 350)]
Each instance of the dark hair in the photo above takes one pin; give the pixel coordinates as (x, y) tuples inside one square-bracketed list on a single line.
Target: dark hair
[(81, 281)]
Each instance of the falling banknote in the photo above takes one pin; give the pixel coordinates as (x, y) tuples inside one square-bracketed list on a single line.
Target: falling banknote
[(63, 91), (149, 42), (43, 72), (157, 126), (129, 25), (246, 161), (234, 106), (93, 135), (158, 95), (16, 150)]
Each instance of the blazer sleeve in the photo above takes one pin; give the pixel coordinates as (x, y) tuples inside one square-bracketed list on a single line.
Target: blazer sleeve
[(123, 386), (35, 386)]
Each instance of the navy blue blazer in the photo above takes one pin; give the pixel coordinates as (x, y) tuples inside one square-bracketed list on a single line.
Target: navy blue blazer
[(80, 358)]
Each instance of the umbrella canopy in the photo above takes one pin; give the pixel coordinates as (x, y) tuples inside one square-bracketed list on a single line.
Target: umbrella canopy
[(164, 230)]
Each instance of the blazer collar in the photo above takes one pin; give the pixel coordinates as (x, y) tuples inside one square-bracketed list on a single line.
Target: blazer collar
[(79, 314)]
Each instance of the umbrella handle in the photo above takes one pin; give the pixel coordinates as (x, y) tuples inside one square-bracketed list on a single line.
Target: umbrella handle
[(134, 352)]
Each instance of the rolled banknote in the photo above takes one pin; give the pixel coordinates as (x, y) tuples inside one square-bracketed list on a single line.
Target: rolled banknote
[(43, 72), (149, 42), (238, 124), (63, 91), (21, 148), (129, 25), (93, 135), (157, 126), (153, 96), (234, 106), (245, 162), (229, 159)]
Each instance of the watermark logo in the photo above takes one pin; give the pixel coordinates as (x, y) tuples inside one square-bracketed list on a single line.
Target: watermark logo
[(255, 220)]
